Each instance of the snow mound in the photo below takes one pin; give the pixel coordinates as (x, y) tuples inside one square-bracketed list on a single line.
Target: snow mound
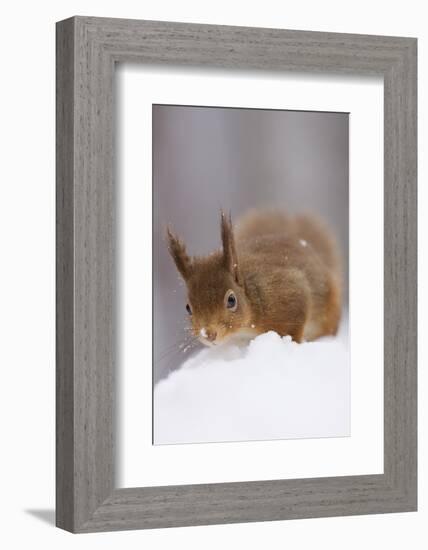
[(272, 389)]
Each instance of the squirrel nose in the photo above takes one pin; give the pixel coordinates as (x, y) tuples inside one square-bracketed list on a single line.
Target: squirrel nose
[(209, 334)]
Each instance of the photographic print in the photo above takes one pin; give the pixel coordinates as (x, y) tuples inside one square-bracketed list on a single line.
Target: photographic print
[(250, 274), (217, 257)]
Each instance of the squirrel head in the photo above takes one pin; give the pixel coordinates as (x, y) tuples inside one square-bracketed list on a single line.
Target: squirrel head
[(217, 305)]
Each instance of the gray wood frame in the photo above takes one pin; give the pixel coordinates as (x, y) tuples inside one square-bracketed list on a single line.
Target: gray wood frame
[(87, 50)]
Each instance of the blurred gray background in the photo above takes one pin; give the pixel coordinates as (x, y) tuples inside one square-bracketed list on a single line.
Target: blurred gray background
[(207, 158)]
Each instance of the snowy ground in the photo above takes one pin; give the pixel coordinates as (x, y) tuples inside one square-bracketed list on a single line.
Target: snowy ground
[(273, 389)]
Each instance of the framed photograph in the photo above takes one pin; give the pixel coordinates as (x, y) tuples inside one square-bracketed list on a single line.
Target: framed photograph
[(236, 274)]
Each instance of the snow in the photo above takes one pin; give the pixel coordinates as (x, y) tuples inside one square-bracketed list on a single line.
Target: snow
[(272, 389)]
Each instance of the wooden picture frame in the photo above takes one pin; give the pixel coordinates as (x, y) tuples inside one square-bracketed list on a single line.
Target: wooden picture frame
[(87, 51)]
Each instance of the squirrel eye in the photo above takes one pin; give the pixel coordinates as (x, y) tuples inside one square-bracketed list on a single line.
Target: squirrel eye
[(231, 301), (189, 309)]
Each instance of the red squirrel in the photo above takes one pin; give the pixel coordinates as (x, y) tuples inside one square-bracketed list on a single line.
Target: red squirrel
[(274, 272)]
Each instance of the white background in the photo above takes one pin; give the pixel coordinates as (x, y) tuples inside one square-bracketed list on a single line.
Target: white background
[(362, 453), (27, 273)]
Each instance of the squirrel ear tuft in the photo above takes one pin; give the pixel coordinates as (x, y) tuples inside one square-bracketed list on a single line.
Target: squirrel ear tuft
[(229, 250), (177, 249)]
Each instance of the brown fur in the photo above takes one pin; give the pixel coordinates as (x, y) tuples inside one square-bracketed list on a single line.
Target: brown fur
[(283, 270)]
